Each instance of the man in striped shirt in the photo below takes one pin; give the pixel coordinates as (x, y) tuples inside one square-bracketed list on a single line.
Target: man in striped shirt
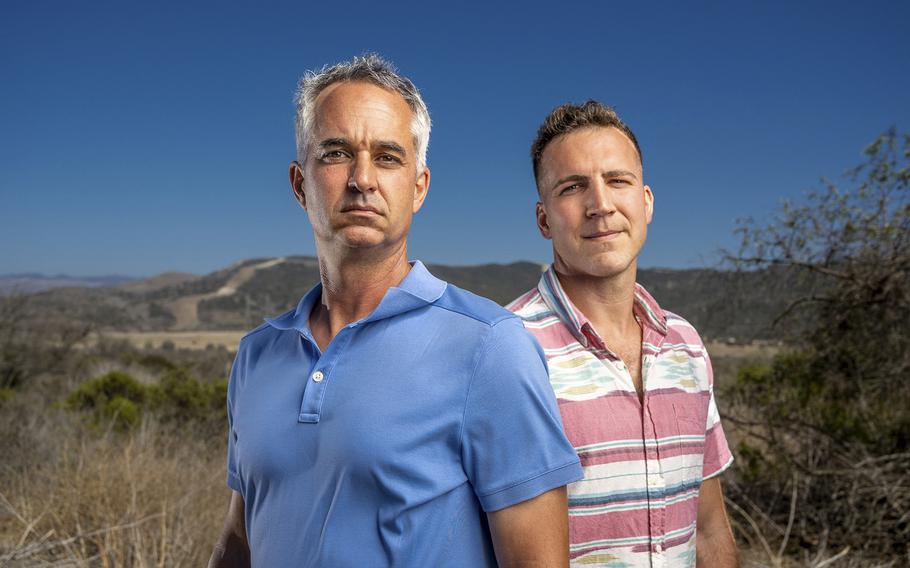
[(634, 382)]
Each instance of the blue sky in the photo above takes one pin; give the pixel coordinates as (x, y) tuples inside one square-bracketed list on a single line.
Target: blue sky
[(139, 138)]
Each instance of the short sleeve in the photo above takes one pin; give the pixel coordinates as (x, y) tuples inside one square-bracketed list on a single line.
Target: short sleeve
[(513, 445), (233, 476), (717, 454)]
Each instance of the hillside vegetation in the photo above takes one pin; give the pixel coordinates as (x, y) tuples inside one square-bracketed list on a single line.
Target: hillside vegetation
[(824, 428)]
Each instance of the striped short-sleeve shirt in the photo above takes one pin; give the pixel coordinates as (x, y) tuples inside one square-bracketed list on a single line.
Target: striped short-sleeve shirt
[(644, 460)]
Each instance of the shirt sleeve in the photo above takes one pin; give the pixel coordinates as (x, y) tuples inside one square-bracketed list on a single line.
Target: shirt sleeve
[(233, 476), (513, 445), (717, 454)]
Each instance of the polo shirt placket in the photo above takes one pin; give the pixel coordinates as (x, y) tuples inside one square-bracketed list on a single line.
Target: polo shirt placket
[(323, 366), (321, 372)]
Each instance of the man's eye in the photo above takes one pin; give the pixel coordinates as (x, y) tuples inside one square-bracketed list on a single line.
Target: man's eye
[(332, 156), (620, 181), (388, 159), (570, 188)]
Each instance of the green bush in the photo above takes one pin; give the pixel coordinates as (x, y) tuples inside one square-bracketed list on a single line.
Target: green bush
[(178, 397), (124, 413), (98, 392), (183, 398), (115, 396)]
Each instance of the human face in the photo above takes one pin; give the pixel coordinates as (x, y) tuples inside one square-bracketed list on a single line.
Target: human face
[(359, 184), (593, 204)]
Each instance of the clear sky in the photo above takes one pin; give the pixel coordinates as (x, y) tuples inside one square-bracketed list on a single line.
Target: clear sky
[(137, 138)]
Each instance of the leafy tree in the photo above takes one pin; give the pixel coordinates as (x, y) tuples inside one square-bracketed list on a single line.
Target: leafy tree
[(827, 425)]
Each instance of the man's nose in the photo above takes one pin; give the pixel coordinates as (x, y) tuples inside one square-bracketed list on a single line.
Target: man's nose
[(600, 200), (363, 174)]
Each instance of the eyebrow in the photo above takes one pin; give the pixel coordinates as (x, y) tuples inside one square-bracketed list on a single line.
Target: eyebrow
[(620, 173), (382, 145), (609, 174), (333, 142), (575, 177), (392, 147)]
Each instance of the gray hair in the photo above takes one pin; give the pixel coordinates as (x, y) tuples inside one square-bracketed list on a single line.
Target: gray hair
[(370, 68)]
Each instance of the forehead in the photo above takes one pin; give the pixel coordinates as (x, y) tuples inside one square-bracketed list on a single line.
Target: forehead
[(355, 107), (588, 150)]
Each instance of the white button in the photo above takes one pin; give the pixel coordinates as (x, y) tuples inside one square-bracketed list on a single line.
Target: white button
[(318, 376), (658, 548)]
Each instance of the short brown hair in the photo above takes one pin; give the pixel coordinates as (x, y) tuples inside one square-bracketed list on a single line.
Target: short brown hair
[(570, 117)]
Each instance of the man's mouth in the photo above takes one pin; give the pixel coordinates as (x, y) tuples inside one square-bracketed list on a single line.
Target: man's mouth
[(602, 235), (362, 209)]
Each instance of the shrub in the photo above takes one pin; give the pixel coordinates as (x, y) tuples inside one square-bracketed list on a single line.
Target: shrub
[(115, 396), (183, 398), (178, 398), (826, 427)]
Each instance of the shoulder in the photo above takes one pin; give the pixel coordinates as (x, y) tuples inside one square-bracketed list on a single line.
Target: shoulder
[(529, 305), (472, 306), (250, 335), (263, 334), (679, 329), (502, 336), (503, 345)]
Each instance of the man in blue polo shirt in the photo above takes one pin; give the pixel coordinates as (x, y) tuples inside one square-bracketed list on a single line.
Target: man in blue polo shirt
[(390, 419)]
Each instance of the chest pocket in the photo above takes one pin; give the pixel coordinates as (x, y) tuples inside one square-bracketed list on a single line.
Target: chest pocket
[(691, 414), (691, 417)]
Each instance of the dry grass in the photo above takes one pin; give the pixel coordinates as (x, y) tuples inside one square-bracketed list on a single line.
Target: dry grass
[(151, 498), (179, 339), (763, 543), (71, 495)]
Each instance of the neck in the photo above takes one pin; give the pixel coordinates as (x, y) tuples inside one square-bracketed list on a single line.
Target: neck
[(353, 284), (607, 302)]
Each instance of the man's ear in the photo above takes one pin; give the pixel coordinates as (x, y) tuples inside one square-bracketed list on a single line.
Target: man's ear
[(543, 224), (421, 188), (295, 176), (649, 204)]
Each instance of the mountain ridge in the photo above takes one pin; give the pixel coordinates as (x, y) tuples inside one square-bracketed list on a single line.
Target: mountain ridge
[(721, 304)]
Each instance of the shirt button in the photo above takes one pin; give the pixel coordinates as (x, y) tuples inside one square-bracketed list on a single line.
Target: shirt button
[(658, 548), (318, 376)]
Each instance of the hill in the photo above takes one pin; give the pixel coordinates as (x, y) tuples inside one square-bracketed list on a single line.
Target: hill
[(720, 304)]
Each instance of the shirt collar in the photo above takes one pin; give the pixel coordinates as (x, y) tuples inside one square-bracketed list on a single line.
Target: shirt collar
[(649, 311), (419, 288), (645, 308)]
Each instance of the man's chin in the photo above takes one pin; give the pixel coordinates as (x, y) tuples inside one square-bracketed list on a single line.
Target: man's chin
[(604, 265), (361, 237)]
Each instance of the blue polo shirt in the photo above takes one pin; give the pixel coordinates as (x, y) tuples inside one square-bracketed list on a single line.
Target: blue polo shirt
[(388, 448)]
